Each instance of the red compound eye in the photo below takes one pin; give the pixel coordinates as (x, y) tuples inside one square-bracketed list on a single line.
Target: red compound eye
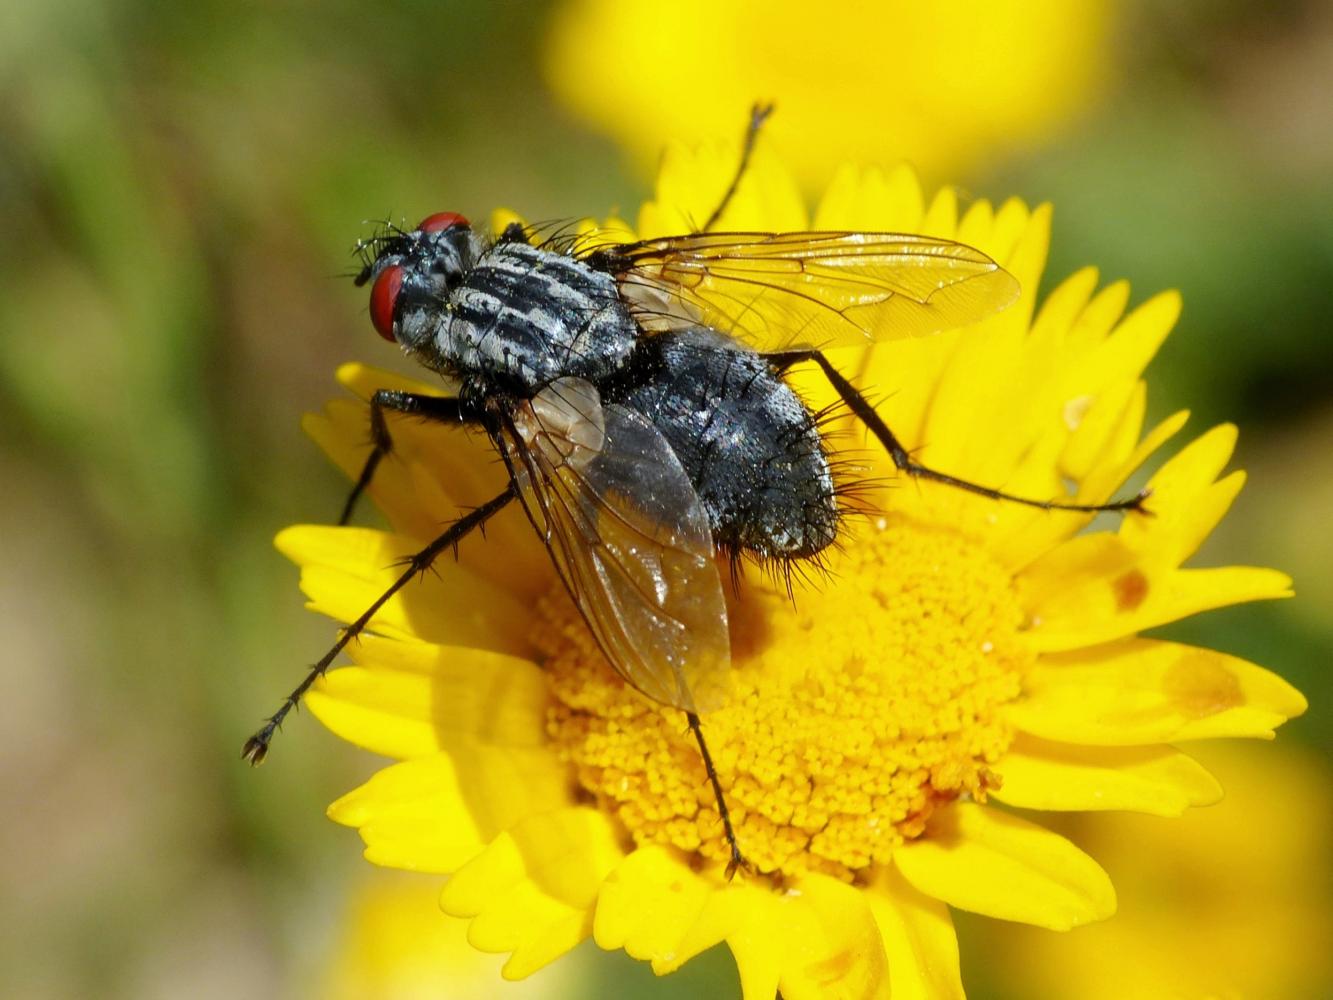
[(383, 298), (441, 220)]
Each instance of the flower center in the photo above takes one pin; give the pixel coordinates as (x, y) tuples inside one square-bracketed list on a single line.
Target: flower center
[(853, 715)]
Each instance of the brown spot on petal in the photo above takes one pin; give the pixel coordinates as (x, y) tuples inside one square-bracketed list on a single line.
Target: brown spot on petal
[(1199, 686), (834, 969), (1130, 589)]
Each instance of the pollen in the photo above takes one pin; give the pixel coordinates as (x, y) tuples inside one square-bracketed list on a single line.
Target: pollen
[(853, 715)]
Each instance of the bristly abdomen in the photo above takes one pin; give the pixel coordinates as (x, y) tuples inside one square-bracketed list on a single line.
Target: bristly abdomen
[(750, 446)]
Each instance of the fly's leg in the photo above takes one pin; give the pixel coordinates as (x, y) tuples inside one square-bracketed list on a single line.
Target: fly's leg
[(256, 747), (864, 412), (437, 408), (737, 858), (758, 115)]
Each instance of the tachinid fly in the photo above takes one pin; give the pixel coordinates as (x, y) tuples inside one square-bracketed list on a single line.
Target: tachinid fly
[(636, 395)]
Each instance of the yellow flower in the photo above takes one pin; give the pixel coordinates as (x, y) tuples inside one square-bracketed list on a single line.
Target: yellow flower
[(958, 653), (1230, 904), (395, 944), (941, 85)]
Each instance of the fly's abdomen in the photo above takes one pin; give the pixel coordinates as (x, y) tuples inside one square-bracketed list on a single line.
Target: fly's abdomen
[(524, 316), (750, 446)]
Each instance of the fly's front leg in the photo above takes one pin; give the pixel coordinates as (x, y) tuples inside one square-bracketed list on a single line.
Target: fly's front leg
[(256, 747), (864, 412), (758, 115), (437, 408)]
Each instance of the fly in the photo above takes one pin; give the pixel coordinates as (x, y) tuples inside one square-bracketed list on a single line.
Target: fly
[(636, 395)]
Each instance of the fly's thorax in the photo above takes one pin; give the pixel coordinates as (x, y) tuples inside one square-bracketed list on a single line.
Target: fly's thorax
[(522, 316)]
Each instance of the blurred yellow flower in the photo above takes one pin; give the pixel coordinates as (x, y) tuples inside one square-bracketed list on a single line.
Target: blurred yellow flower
[(1229, 904), (960, 651), (395, 944), (943, 86)]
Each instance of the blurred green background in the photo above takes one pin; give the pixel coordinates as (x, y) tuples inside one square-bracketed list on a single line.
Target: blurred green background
[(180, 186)]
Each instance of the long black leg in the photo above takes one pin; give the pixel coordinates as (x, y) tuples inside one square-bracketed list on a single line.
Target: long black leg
[(758, 114), (256, 747), (415, 404), (737, 858), (903, 460)]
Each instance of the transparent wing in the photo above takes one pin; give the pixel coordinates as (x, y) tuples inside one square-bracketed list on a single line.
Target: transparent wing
[(629, 538), (780, 291)]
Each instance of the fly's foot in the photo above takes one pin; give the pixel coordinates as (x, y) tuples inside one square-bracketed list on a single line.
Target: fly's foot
[(739, 862), (1136, 502), (256, 747)]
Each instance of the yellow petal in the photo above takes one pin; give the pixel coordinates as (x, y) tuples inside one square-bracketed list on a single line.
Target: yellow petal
[(1086, 389), (532, 890), (850, 962), (1120, 452), (1122, 355), (362, 381), (779, 203), (691, 184), (345, 570), (976, 225), (1011, 225), (976, 428), (961, 434), (1096, 319), (434, 474), (1187, 503), (973, 427), (1096, 588), (502, 218), (866, 199), (566, 853), (1038, 774), (818, 940), (1097, 436), (413, 816), (870, 200), (1063, 305), (460, 463), (411, 698), (989, 862), (341, 432), (534, 928), (1142, 691), (1094, 389), (902, 403), (1026, 259), (436, 813), (847, 192), (394, 943), (648, 904), (1102, 474), (919, 940), (941, 218)]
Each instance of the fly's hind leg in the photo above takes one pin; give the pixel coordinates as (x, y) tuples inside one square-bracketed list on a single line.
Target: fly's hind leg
[(256, 747), (864, 412), (437, 408), (758, 115)]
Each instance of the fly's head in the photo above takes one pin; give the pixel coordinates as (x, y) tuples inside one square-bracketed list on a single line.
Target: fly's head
[(412, 272)]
